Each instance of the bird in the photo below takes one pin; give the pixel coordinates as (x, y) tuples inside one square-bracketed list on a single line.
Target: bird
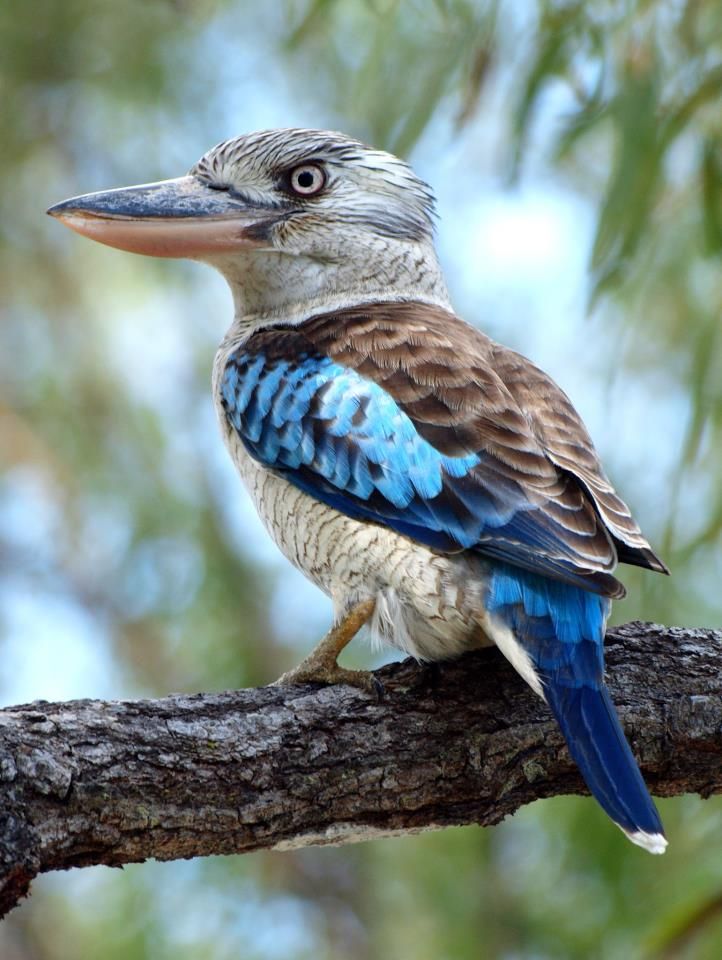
[(435, 484)]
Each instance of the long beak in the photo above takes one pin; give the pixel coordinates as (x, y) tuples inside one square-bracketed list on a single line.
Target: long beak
[(172, 218)]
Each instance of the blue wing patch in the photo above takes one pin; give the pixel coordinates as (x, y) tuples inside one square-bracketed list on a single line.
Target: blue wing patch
[(343, 439)]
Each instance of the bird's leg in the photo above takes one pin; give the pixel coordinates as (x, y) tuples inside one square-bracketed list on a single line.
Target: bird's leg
[(320, 665)]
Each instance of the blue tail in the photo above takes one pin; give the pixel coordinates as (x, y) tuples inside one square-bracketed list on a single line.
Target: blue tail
[(598, 746), (561, 629)]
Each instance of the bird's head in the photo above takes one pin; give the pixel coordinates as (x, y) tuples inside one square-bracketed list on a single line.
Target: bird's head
[(288, 216)]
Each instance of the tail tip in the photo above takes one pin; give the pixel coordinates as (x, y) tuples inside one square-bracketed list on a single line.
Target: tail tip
[(651, 842)]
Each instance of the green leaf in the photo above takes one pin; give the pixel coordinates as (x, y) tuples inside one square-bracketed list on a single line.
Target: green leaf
[(711, 195)]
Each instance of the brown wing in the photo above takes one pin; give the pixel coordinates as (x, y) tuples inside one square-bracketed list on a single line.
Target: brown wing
[(566, 442)]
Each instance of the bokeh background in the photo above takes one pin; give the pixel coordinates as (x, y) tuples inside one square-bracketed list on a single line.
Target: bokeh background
[(576, 152)]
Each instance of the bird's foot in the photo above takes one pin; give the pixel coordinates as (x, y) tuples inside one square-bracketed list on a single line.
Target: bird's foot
[(320, 665), (312, 670)]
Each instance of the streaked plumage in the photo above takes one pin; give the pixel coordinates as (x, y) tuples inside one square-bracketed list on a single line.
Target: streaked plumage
[(400, 458)]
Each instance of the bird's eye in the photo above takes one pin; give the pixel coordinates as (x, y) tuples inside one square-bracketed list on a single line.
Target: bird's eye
[(307, 179)]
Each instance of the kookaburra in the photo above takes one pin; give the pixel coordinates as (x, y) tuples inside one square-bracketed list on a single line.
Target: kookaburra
[(435, 484)]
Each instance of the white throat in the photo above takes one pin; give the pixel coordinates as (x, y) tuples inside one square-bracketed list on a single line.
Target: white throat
[(269, 286)]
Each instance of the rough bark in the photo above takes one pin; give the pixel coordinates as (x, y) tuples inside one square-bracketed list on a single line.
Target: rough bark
[(91, 782)]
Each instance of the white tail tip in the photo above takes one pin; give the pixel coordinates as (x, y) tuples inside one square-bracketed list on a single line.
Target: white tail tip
[(651, 842)]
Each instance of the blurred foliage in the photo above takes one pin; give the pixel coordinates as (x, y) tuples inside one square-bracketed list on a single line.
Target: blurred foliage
[(116, 498)]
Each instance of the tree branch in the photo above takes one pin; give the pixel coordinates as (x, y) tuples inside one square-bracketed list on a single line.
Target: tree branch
[(91, 782)]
